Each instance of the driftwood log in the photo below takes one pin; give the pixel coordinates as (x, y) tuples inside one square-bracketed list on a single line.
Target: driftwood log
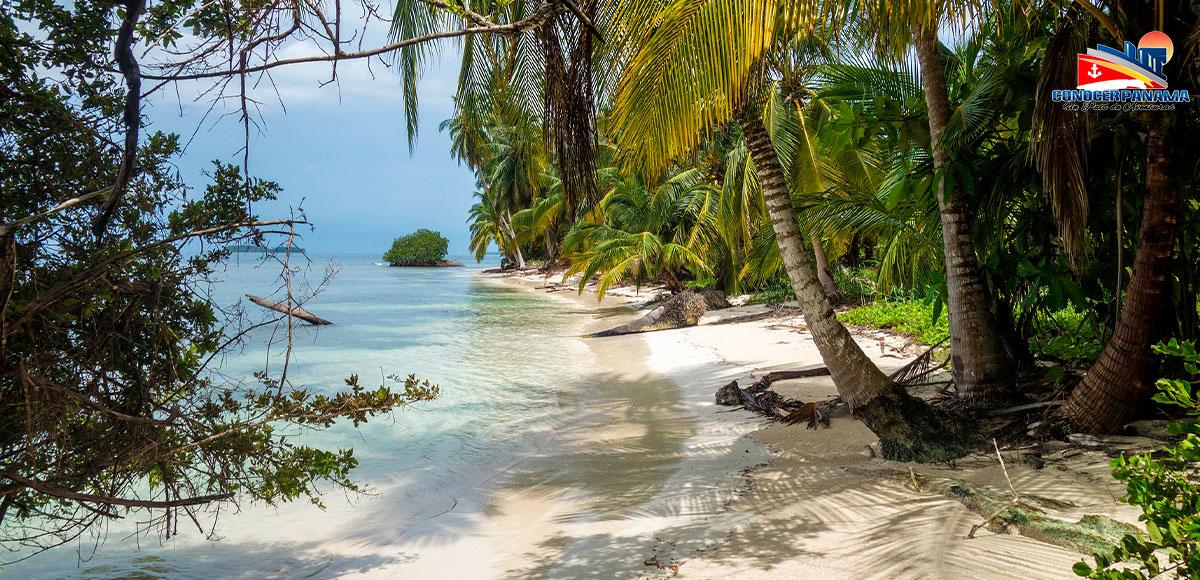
[(759, 398), (296, 311), (679, 311)]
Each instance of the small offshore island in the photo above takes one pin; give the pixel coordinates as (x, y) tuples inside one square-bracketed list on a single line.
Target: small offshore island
[(420, 249)]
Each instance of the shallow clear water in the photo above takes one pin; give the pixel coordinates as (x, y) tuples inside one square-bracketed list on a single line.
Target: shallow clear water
[(512, 372)]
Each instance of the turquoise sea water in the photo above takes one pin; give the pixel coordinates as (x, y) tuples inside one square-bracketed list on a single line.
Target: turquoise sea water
[(510, 366)]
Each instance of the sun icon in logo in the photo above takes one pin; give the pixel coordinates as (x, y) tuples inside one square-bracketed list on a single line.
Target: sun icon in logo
[(1157, 40)]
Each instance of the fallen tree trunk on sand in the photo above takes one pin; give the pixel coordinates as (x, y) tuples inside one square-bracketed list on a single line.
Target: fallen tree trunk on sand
[(296, 311), (1092, 534), (681, 310)]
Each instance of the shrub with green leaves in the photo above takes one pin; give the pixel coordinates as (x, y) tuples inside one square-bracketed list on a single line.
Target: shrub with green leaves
[(421, 246), (113, 401), (776, 290), (1165, 486), (856, 284), (926, 322), (1068, 335)]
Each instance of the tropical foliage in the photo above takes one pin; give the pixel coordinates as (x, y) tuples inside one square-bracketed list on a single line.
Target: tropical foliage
[(1164, 486), (774, 147), (900, 154), (911, 317), (420, 247)]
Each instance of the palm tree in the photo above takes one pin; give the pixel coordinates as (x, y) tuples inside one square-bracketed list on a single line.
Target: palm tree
[(1120, 382), (489, 224), (690, 70), (979, 361), (876, 158), (638, 233), (748, 255), (516, 162), (798, 153), (506, 150), (542, 220)]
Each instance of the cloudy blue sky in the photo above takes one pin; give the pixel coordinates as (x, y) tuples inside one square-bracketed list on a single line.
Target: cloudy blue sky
[(340, 150)]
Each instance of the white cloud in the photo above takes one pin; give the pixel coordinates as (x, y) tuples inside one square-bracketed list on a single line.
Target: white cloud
[(359, 82)]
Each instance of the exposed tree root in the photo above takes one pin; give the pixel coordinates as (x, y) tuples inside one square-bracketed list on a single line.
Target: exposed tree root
[(910, 429), (768, 379)]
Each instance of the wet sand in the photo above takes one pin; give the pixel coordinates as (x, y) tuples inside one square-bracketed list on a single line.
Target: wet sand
[(819, 506), (645, 474), (637, 473)]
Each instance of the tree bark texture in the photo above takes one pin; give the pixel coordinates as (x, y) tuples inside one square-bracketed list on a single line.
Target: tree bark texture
[(979, 362), (1121, 381), (908, 428)]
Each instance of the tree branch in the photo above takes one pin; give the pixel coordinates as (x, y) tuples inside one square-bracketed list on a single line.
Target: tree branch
[(88, 275), (6, 229), (533, 21), (60, 492), (127, 63)]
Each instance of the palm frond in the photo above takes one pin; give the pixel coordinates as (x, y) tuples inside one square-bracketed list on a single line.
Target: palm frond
[(1060, 136), (689, 72), (411, 19)]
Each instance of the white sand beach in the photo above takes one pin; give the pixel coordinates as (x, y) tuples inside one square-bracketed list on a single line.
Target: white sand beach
[(816, 505), (624, 468)]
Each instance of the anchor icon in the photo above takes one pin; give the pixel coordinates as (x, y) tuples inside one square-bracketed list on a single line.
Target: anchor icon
[(1094, 72)]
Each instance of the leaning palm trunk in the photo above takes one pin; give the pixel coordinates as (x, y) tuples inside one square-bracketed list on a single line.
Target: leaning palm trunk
[(907, 427), (823, 273), (979, 361), (551, 242), (1120, 382), (518, 257)]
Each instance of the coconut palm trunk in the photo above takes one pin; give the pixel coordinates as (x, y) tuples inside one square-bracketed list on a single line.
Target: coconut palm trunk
[(1120, 382), (907, 427), (550, 241), (520, 258), (824, 274), (517, 257), (979, 362)]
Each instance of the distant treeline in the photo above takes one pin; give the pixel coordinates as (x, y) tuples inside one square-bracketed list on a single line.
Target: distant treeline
[(252, 249)]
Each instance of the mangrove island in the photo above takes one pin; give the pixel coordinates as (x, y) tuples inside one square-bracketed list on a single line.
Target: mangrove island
[(422, 249)]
